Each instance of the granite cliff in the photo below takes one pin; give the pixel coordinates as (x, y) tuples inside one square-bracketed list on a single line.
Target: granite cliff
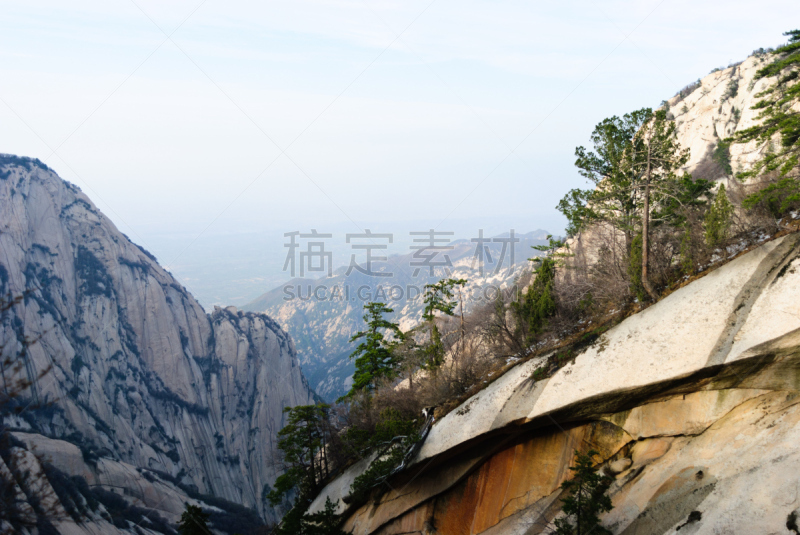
[(692, 403), (145, 395)]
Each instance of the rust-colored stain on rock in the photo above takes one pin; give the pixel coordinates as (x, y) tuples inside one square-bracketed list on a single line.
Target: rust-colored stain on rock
[(509, 481)]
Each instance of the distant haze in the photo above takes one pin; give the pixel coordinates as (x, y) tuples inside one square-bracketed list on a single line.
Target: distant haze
[(207, 129)]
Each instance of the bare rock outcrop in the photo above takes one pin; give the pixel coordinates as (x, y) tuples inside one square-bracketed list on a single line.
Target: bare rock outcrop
[(139, 374), (693, 405), (715, 108)]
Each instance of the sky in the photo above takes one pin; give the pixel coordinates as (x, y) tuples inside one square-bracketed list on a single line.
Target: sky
[(207, 129)]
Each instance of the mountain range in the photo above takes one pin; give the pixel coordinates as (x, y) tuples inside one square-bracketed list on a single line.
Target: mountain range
[(321, 315)]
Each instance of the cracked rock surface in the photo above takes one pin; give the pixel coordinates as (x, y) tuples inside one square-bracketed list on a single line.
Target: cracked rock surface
[(692, 403), (140, 376)]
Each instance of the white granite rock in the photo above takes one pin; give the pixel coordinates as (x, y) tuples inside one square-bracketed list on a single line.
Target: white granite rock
[(139, 373)]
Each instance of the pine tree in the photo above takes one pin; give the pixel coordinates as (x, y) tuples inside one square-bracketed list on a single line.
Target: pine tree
[(375, 357), (655, 159), (779, 116), (779, 113), (303, 441), (325, 522), (614, 197), (193, 521), (634, 171), (533, 308), (438, 297), (718, 219), (586, 500)]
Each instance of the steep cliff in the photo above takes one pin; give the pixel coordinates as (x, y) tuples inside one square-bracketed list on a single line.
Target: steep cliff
[(139, 376), (693, 404), (715, 108)]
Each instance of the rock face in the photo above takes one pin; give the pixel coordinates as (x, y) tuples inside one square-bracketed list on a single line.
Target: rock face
[(716, 108), (139, 375), (693, 405)]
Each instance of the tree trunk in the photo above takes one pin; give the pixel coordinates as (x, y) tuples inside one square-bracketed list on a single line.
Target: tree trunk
[(463, 331), (312, 454), (646, 231)]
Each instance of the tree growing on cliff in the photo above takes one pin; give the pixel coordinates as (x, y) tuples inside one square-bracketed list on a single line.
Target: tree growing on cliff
[(586, 499), (778, 118), (614, 197), (194, 521), (304, 444), (634, 171), (537, 304), (375, 357), (325, 522), (779, 114), (656, 156), (717, 222), (438, 297)]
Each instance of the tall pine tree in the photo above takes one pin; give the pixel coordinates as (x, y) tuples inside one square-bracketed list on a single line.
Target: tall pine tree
[(439, 298), (375, 357), (779, 117), (634, 168), (303, 441)]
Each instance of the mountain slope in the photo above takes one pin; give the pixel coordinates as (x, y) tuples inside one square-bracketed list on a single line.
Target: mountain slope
[(692, 404), (322, 327), (713, 109), (141, 375)]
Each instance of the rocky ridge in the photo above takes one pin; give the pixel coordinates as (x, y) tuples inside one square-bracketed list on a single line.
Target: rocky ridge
[(156, 395), (692, 404), (715, 108)]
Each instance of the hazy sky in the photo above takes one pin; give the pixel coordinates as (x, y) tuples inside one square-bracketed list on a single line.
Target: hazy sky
[(196, 118)]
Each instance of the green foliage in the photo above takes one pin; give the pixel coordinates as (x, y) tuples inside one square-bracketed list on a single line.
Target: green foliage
[(193, 521), (633, 156), (737, 114), (575, 207), (722, 156), (634, 171), (537, 305), (686, 257), (731, 90), (718, 219), (394, 436), (552, 250), (778, 111), (777, 198), (587, 499), (325, 522), (391, 425), (292, 522), (437, 297), (374, 356), (614, 197), (303, 442), (688, 192)]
